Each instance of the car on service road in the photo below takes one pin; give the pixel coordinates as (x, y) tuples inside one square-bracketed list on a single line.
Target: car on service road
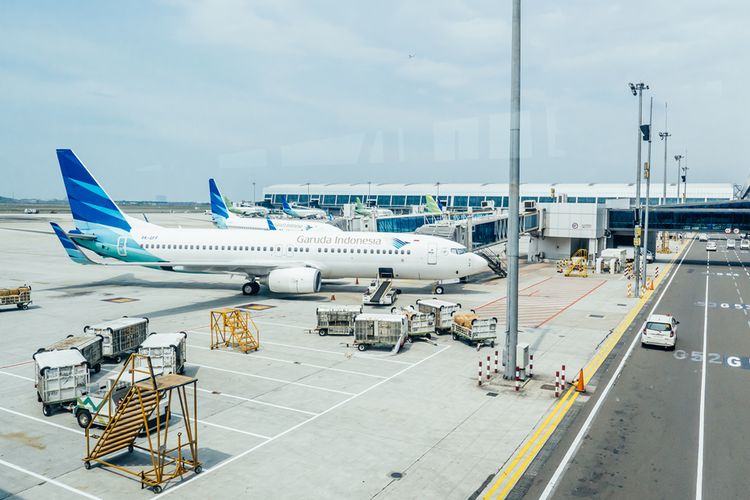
[(711, 246), (660, 330), (730, 244), (745, 245), (703, 237)]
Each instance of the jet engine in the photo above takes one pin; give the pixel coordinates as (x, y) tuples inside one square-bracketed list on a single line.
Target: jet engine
[(294, 280)]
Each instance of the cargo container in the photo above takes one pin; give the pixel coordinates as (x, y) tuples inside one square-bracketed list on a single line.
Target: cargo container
[(166, 350), (474, 330), (420, 324), (336, 319), (20, 296), (380, 330), (60, 377), (120, 337), (443, 311), (89, 346)]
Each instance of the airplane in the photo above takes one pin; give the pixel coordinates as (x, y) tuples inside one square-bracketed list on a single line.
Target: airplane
[(253, 211), (360, 209), (223, 218), (299, 212), (291, 262), (432, 206)]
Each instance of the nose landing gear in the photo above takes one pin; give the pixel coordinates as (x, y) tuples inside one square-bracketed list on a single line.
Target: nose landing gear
[(250, 288)]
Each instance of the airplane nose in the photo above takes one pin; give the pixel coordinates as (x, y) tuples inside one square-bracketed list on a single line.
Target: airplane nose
[(478, 264)]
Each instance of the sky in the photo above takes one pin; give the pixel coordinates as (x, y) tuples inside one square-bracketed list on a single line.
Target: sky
[(156, 97)]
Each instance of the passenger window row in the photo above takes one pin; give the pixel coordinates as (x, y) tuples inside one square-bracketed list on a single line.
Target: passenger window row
[(246, 248)]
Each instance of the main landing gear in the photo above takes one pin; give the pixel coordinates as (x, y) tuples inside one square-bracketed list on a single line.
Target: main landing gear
[(250, 288)]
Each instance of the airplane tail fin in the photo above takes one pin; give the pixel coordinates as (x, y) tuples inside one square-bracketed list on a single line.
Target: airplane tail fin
[(285, 204), (91, 206), (271, 225), (73, 251), (431, 205), (219, 210), (358, 202)]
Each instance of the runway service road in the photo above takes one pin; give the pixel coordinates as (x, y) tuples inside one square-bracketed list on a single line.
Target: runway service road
[(673, 424)]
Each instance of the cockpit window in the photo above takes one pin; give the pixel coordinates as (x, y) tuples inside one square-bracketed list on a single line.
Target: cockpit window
[(458, 251)]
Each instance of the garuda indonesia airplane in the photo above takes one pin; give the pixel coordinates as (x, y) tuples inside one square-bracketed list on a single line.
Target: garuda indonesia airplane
[(285, 261)]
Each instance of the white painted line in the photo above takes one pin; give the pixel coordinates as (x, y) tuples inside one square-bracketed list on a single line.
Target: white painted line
[(301, 424), (48, 480), (298, 363), (287, 382), (256, 401), (226, 428), (42, 421), (324, 351), (17, 376), (702, 416), (557, 475)]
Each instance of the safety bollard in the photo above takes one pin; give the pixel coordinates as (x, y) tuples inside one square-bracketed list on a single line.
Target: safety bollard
[(562, 380), (630, 290), (518, 379), (557, 384), (488, 368), (496, 361), (531, 365), (479, 379)]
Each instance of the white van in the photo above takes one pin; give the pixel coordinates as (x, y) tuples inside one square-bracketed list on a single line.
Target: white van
[(660, 330), (745, 245), (730, 243)]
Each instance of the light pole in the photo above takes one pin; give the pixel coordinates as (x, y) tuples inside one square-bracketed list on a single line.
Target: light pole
[(684, 182), (678, 159), (647, 176), (511, 328), (637, 90), (308, 194), (369, 185), (664, 136), (253, 193)]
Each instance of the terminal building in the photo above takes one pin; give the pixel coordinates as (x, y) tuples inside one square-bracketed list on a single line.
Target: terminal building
[(401, 197)]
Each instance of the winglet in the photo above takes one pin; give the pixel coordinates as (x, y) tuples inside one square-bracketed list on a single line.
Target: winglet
[(271, 226), (75, 253)]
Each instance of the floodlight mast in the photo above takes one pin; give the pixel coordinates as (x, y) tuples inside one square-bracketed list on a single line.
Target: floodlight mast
[(637, 90)]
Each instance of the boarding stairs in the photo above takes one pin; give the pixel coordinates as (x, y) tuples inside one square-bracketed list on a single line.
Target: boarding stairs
[(234, 328), (494, 262)]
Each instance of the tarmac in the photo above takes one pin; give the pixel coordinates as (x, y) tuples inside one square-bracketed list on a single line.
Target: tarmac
[(305, 415)]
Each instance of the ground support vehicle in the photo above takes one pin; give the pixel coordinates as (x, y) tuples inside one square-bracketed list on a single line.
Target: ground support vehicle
[(474, 330), (380, 293), (443, 311), (120, 337), (166, 350), (419, 324), (90, 346), (380, 330), (336, 320), (60, 377), (20, 296)]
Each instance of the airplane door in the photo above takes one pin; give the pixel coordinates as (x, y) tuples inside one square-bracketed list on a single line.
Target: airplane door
[(432, 255), (122, 249)]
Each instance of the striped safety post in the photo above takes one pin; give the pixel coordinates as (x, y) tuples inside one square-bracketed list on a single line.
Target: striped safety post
[(562, 380), (496, 361), (488, 368), (557, 384), (531, 365), (479, 379), (518, 379), (630, 290)]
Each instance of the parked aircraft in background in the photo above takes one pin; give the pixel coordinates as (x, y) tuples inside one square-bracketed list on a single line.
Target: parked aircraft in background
[(224, 218), (286, 261), (360, 209), (299, 212), (432, 206)]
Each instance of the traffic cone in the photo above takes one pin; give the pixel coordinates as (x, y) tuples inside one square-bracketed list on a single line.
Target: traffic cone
[(356, 281), (333, 297), (579, 384)]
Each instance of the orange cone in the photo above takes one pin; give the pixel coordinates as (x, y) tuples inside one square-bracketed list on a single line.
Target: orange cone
[(356, 281), (333, 297), (579, 384)]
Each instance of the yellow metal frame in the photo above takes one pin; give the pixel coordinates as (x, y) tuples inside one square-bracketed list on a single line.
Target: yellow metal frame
[(579, 264), (167, 462), (234, 328)]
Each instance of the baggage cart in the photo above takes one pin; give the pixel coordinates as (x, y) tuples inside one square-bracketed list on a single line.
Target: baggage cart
[(89, 346), (474, 330), (337, 320), (380, 330), (120, 337), (419, 324), (102, 408), (443, 311), (20, 296), (60, 377), (166, 350)]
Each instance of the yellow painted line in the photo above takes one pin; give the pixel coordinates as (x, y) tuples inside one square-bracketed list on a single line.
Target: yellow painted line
[(531, 447)]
